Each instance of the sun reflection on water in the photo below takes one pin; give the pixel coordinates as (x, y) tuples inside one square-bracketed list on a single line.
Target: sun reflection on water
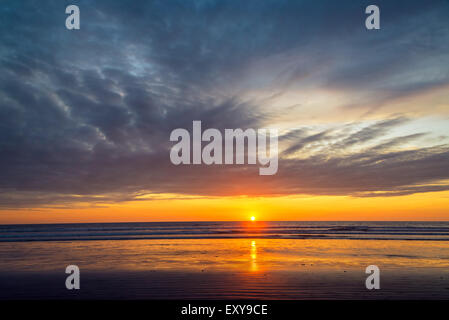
[(254, 266)]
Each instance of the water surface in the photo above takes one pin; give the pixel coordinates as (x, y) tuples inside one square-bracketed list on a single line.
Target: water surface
[(265, 260)]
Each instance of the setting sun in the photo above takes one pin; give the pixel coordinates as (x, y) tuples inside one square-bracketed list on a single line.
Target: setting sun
[(253, 218)]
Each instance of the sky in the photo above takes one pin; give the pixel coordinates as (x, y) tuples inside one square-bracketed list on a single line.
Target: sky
[(86, 115)]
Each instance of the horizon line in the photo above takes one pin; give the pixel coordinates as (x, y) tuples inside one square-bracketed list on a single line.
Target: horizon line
[(214, 221)]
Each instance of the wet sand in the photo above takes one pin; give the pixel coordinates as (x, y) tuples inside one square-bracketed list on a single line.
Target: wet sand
[(225, 269)]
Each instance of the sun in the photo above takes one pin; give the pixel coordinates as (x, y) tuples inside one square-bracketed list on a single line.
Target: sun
[(253, 218)]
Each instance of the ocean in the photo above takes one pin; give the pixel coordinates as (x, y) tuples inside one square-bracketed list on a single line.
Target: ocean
[(226, 260), (436, 231)]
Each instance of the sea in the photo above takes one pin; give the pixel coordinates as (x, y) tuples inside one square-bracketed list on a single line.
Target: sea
[(225, 260), (375, 230)]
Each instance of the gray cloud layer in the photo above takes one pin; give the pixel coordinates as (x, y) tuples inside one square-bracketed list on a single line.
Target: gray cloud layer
[(89, 112)]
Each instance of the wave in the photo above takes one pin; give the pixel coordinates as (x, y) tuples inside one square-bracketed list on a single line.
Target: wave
[(223, 230)]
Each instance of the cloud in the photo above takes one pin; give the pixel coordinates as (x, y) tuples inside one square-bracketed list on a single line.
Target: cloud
[(86, 115)]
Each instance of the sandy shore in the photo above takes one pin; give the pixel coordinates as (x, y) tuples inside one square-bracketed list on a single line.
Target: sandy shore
[(222, 285), (225, 269)]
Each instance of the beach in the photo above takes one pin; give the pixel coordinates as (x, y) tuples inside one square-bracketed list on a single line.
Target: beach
[(244, 266)]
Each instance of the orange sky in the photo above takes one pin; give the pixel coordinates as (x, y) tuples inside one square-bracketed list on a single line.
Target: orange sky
[(425, 206)]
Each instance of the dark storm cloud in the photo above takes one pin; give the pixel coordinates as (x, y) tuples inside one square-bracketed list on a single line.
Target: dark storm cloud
[(89, 112)]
